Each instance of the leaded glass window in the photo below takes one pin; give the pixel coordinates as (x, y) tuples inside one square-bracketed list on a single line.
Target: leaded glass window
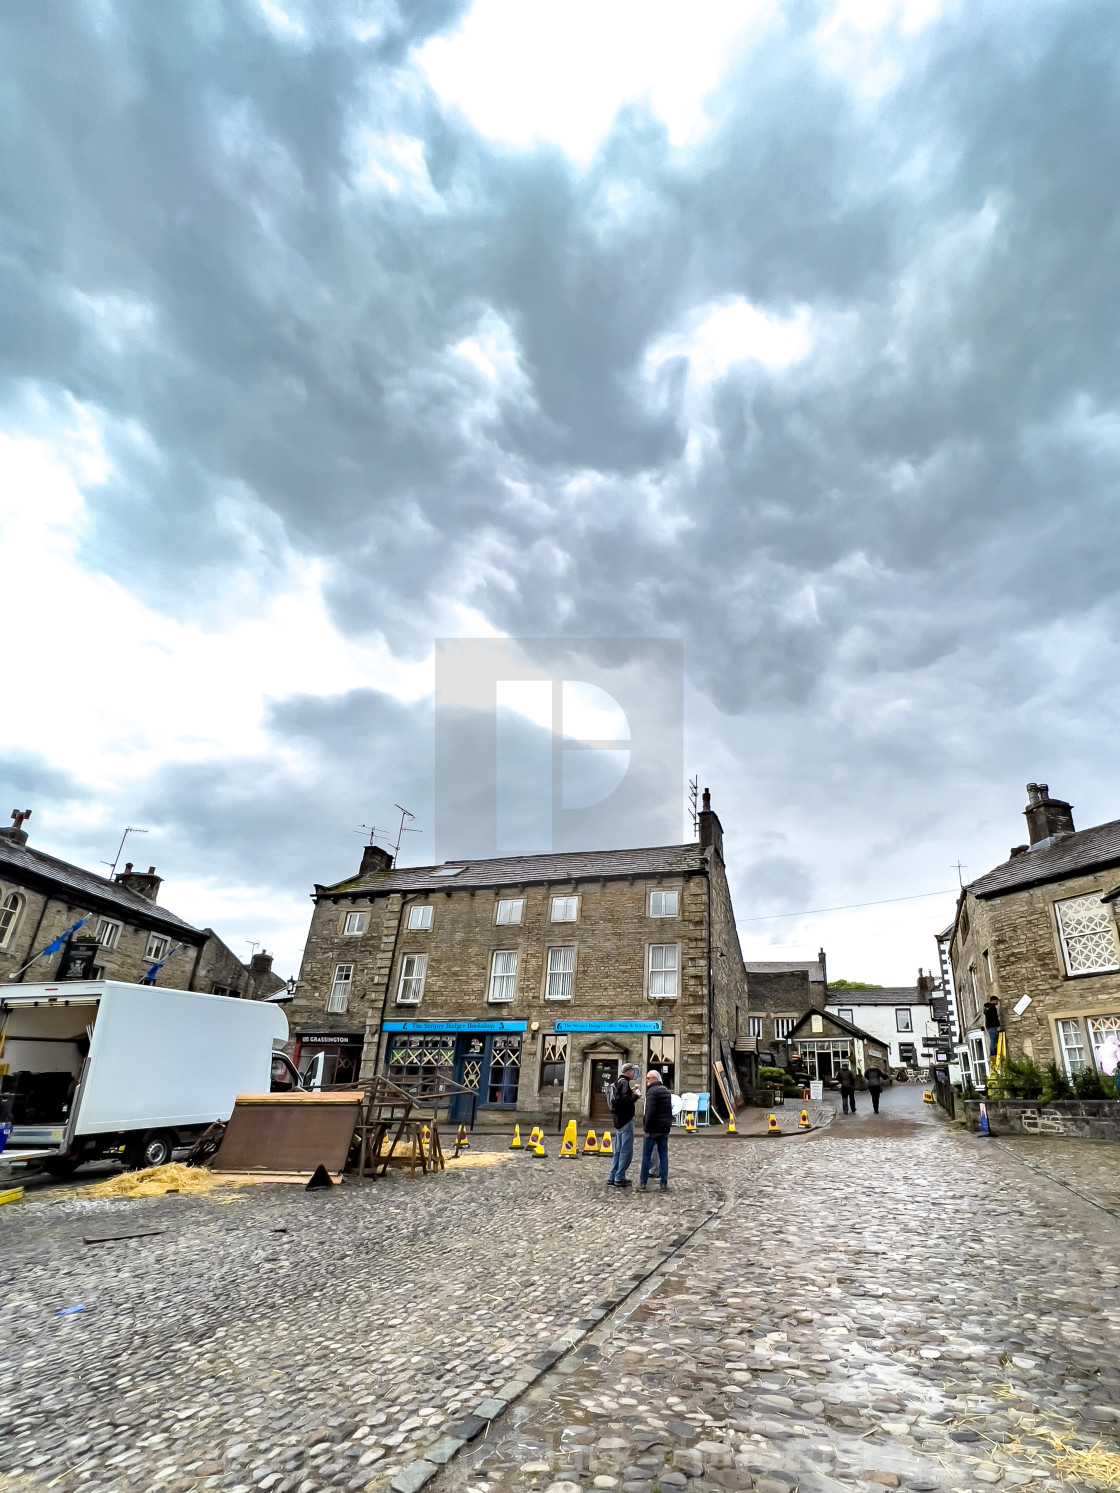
[(415, 1058), (411, 987), (1104, 1034), (1088, 938), (561, 965), (503, 975), (1072, 1037), (663, 969)]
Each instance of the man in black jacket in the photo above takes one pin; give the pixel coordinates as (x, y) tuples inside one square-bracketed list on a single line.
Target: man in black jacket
[(657, 1120), (623, 1101)]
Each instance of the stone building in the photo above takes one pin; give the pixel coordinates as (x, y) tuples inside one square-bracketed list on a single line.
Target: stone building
[(1039, 933), (126, 931), (779, 992), (901, 1018), (822, 1042), (529, 979)]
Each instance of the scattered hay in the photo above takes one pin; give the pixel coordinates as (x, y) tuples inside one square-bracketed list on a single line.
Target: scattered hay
[(477, 1158), (1094, 1463), (155, 1181)]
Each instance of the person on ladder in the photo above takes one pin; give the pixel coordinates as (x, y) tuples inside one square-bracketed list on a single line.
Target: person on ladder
[(992, 1023)]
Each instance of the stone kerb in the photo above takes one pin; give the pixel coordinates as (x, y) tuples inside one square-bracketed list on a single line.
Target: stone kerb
[(1082, 1119)]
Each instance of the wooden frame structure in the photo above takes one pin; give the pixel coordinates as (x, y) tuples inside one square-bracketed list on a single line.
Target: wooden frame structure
[(410, 1114)]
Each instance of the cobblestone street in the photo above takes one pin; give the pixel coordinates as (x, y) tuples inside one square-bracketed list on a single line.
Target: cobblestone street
[(881, 1302)]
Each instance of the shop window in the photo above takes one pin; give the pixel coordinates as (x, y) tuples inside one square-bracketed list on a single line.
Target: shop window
[(663, 904), (503, 975), (340, 987), (662, 1055), (420, 917), (411, 987), (561, 966), (421, 1059), (505, 1070), (509, 910), (908, 1054), (664, 970), (554, 1061), (1088, 939)]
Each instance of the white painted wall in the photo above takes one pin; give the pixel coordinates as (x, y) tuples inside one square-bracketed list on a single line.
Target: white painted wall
[(881, 1022)]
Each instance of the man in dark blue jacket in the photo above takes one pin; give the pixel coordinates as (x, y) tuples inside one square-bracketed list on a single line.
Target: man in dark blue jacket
[(657, 1120)]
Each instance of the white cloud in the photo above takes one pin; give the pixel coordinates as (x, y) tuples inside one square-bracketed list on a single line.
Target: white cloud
[(715, 338), (525, 71)]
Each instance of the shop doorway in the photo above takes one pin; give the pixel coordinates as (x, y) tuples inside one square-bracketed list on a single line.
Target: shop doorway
[(604, 1072), (334, 1059)]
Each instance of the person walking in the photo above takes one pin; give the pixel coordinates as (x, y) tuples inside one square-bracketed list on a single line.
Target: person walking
[(992, 1024), (874, 1078), (657, 1120), (848, 1088), (623, 1102)]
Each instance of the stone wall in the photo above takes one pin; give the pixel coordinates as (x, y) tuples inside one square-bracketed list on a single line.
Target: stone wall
[(1020, 933), (1079, 1119), (610, 940), (43, 917)]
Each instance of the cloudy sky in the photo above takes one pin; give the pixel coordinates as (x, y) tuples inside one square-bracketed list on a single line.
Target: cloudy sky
[(785, 330)]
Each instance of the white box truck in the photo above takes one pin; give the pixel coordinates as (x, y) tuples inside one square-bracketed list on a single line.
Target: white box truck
[(97, 1068)]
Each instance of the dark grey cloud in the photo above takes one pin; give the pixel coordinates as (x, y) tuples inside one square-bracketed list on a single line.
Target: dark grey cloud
[(892, 561)]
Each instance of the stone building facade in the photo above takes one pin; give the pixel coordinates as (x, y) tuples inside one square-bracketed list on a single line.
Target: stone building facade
[(126, 931), (531, 978), (779, 993), (1039, 933)]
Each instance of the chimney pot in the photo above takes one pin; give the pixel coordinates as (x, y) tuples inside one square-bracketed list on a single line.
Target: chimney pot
[(127, 867), (144, 884)]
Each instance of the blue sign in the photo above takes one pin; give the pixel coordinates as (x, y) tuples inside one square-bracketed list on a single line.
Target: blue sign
[(455, 1026), (607, 1026)]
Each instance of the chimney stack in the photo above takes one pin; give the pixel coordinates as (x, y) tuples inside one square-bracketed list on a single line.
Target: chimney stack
[(260, 964), (711, 831), (375, 860), (1048, 819), (15, 831), (143, 883)]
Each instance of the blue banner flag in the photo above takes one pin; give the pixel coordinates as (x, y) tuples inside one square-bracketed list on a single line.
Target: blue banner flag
[(53, 948)]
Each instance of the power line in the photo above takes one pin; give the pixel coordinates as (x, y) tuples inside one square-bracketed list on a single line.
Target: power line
[(767, 917)]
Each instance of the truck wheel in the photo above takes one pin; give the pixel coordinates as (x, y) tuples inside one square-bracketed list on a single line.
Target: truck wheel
[(154, 1150)]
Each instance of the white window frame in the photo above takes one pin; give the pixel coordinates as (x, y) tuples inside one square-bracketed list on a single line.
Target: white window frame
[(558, 909), (410, 984), (754, 1027), (14, 903), (1073, 1044), (558, 981), (157, 946), (504, 979), (341, 984), (899, 1013), (354, 924), (1069, 941), (845, 1013), (783, 1025), (509, 910), (109, 933), (654, 952), (657, 903), (420, 917)]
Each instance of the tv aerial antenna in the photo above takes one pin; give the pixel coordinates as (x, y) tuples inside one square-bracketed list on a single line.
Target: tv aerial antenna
[(694, 803), (130, 829), (387, 834)]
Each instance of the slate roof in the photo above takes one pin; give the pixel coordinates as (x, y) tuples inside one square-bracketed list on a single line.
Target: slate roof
[(515, 870), (890, 995), (845, 1026), (84, 888), (786, 967), (1072, 855)]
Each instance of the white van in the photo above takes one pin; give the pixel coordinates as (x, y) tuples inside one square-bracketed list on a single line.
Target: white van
[(98, 1068)]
